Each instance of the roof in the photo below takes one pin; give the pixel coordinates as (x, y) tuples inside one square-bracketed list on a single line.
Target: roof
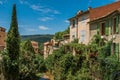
[(66, 35), (79, 14), (47, 43), (34, 42), (2, 27), (99, 12)]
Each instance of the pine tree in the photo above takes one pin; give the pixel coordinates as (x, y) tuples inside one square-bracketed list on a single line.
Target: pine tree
[(13, 47)]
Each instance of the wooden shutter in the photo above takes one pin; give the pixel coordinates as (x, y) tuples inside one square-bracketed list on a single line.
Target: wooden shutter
[(117, 22), (107, 28), (98, 28), (110, 25), (117, 48)]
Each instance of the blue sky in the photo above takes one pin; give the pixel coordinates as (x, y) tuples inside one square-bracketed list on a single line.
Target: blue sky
[(44, 16)]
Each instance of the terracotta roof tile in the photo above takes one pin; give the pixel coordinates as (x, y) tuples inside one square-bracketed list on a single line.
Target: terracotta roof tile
[(102, 11)]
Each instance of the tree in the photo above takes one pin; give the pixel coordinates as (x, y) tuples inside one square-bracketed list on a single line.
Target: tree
[(27, 68), (13, 48), (59, 35)]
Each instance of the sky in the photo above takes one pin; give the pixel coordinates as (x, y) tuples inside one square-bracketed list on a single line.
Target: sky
[(44, 16)]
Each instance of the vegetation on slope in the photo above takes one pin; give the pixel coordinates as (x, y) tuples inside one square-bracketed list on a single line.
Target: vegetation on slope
[(39, 38)]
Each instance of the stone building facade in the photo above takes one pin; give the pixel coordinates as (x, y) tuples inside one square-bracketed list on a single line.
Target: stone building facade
[(35, 46), (104, 21), (2, 38)]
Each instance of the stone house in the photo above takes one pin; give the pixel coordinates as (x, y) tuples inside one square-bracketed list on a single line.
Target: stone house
[(2, 38), (104, 20), (53, 45), (35, 46)]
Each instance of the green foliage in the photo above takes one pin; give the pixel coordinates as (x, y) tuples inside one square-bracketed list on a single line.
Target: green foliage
[(13, 49), (19, 60), (27, 46), (91, 61), (75, 41), (59, 35), (39, 38), (30, 63)]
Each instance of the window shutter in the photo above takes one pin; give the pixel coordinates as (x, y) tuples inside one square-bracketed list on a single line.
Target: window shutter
[(111, 48), (107, 28), (110, 25), (117, 48), (117, 22), (98, 28)]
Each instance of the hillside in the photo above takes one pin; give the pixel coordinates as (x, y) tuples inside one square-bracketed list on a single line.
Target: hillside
[(39, 38)]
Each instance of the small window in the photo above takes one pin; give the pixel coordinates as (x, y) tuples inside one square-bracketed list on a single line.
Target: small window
[(73, 36), (82, 35), (73, 24)]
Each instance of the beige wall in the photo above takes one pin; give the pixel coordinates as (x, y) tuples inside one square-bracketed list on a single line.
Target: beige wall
[(35, 46), (73, 30), (83, 29)]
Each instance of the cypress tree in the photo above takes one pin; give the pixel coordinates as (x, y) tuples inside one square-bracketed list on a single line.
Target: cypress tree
[(13, 47)]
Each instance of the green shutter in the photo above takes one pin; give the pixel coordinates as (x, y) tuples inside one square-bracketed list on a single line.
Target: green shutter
[(107, 28), (117, 22), (110, 24), (111, 48), (117, 48), (98, 28)]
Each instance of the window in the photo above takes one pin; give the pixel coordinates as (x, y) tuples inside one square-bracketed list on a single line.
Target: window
[(82, 35), (73, 35), (73, 25), (102, 28)]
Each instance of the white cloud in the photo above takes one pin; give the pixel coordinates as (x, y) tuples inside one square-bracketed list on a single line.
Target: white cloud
[(41, 8), (35, 7), (45, 19), (1, 2), (56, 12), (66, 21), (44, 10), (43, 28), (23, 2)]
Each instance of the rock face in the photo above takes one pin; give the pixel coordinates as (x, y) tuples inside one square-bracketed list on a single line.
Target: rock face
[(1, 71)]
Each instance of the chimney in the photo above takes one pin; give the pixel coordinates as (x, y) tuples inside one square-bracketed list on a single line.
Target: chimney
[(79, 12), (89, 8)]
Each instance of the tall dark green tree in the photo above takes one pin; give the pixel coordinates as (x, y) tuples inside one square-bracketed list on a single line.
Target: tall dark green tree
[(13, 47)]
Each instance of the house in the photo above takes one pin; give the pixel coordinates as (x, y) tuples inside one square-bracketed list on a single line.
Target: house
[(49, 47), (104, 20), (2, 38), (35, 46), (79, 26)]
